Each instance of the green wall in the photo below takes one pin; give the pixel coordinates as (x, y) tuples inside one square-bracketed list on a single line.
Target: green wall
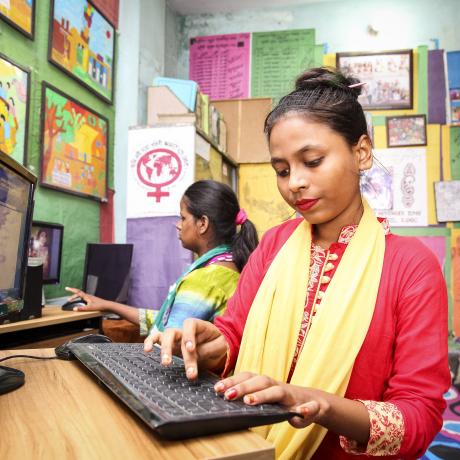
[(80, 216)]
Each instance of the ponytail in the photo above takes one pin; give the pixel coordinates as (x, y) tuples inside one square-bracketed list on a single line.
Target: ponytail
[(244, 242)]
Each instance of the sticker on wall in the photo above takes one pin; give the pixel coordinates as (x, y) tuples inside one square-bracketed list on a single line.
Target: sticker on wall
[(14, 109), (161, 166), (74, 146), (19, 14), (82, 43)]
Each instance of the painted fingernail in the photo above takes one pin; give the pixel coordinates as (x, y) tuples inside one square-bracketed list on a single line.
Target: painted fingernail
[(219, 386), (249, 399), (190, 371), (230, 394), (189, 345)]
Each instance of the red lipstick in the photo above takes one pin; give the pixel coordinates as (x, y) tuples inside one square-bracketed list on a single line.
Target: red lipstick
[(304, 205)]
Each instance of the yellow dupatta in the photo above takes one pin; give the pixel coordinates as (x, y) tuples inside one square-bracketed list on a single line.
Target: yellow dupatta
[(335, 336)]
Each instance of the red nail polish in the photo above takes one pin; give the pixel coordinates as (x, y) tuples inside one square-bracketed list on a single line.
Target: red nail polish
[(230, 394)]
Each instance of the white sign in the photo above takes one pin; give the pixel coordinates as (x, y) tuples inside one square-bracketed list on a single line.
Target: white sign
[(397, 188), (161, 165)]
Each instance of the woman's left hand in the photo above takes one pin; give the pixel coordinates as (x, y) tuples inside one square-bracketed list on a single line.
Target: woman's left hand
[(255, 389)]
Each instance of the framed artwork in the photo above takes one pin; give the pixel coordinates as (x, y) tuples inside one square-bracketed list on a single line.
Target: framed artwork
[(14, 108), (19, 14), (74, 146), (388, 77), (446, 199), (82, 44), (406, 131)]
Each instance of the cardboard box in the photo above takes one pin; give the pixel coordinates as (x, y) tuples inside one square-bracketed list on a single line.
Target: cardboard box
[(177, 118), (246, 141), (160, 99)]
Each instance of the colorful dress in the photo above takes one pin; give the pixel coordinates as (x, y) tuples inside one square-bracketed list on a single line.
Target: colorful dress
[(202, 294), (401, 371)]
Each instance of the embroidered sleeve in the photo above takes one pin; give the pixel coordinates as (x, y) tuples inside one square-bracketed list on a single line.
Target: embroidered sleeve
[(386, 432), (146, 320)]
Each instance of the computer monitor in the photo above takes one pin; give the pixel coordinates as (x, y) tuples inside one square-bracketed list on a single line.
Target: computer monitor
[(107, 270), (17, 186), (45, 243)]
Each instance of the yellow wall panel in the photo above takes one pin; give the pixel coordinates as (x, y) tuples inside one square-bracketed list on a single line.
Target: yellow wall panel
[(433, 167), (259, 196)]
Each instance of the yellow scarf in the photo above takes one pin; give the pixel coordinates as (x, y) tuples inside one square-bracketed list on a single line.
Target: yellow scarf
[(335, 336)]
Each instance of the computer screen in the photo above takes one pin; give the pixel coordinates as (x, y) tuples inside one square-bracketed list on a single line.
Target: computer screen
[(45, 243), (17, 186), (107, 270)]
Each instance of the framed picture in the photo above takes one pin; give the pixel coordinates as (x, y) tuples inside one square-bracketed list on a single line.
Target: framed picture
[(82, 44), (446, 199), (20, 14), (74, 146), (14, 108), (388, 78), (406, 131)]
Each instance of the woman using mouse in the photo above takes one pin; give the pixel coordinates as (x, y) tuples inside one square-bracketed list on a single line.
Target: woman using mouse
[(334, 316), (209, 218)]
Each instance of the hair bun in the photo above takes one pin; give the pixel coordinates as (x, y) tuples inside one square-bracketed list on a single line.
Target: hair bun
[(327, 77)]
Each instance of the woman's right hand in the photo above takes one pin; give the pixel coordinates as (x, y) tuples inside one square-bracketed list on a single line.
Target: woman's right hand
[(200, 342), (93, 303)]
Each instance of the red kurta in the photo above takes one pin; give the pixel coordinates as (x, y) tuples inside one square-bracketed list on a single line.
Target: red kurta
[(403, 359)]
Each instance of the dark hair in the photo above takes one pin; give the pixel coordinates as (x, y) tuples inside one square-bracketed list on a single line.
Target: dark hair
[(218, 202), (324, 95)]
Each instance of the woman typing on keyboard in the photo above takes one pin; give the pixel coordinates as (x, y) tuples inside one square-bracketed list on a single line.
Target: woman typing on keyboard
[(334, 316), (214, 227)]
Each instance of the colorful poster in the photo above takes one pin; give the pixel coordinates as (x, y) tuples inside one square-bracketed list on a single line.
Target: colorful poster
[(82, 44), (19, 14), (396, 186), (74, 146), (14, 104), (161, 165), (278, 58), (220, 65)]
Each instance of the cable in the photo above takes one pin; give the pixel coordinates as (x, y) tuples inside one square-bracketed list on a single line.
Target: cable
[(27, 356)]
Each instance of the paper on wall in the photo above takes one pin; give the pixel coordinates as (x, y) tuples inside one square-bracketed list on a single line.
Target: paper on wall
[(398, 190)]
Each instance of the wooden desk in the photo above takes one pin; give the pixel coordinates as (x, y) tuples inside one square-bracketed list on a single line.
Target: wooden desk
[(63, 413), (53, 328)]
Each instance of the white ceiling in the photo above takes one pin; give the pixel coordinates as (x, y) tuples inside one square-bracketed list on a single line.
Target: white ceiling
[(188, 7)]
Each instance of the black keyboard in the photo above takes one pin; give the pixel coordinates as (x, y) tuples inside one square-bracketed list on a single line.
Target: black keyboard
[(163, 397)]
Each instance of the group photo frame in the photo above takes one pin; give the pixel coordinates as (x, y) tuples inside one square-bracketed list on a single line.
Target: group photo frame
[(82, 44), (406, 131), (19, 14), (14, 108), (74, 146), (388, 76)]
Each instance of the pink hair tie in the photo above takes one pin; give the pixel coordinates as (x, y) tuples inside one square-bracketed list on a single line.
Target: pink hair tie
[(241, 217)]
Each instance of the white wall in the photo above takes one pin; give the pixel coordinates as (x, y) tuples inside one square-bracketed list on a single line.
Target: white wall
[(141, 57), (341, 25)]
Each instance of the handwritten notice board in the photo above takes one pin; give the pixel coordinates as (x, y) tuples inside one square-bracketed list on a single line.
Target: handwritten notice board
[(278, 58), (220, 65)]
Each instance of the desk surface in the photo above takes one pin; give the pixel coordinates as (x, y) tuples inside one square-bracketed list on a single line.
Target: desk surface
[(62, 412), (50, 316)]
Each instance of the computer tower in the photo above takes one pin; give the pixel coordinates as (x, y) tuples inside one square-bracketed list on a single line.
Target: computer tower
[(33, 293)]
